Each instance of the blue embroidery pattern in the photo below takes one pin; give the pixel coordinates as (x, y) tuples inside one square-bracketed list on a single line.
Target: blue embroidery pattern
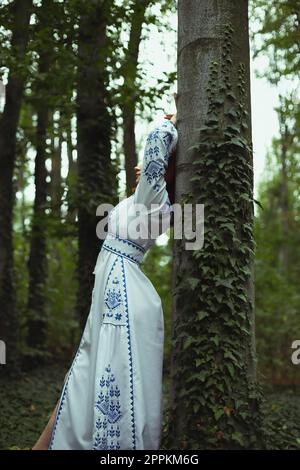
[(157, 151), (120, 253), (113, 296), (153, 171), (130, 359), (108, 405), (128, 242)]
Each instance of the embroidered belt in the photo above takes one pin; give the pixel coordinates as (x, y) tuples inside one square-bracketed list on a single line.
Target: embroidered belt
[(124, 247)]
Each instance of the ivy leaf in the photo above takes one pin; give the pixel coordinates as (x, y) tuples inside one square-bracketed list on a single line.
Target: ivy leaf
[(218, 412), (232, 113), (237, 142), (231, 95), (258, 203), (230, 369), (225, 283), (188, 342), (201, 315), (216, 340), (196, 178), (230, 226), (238, 437), (193, 282)]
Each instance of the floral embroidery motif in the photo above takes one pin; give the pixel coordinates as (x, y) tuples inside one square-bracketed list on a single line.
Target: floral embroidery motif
[(114, 297), (109, 409)]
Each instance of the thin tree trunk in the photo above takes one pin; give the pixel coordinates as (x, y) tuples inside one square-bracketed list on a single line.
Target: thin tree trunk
[(72, 175), (213, 393), (130, 93), (8, 129), (96, 183), (284, 199), (56, 188)]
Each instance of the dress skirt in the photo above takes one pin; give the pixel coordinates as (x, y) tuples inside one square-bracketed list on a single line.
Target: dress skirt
[(112, 395)]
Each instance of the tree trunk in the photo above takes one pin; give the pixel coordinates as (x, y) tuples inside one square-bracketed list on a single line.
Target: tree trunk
[(96, 180), (56, 187), (130, 93), (72, 175), (213, 396), (8, 129), (37, 262), (286, 142)]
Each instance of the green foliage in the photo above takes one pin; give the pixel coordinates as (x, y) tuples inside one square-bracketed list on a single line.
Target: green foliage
[(281, 412), (276, 34), (278, 255), (212, 338), (27, 402)]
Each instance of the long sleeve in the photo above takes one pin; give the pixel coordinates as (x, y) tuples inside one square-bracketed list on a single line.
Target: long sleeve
[(151, 188)]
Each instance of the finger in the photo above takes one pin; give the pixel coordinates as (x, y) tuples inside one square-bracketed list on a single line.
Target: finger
[(175, 99)]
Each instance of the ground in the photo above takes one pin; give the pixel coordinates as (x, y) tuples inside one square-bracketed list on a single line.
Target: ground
[(27, 401)]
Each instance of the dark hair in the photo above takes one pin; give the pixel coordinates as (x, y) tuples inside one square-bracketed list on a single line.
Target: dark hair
[(170, 175)]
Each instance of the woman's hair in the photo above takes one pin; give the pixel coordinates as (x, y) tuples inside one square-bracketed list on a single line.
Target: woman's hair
[(170, 175)]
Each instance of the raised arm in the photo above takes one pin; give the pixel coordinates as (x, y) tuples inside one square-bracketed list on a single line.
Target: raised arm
[(151, 188)]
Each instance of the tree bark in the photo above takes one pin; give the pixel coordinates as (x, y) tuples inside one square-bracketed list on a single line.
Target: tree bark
[(72, 175), (56, 187), (37, 262), (8, 129), (96, 179), (285, 142), (130, 92), (207, 382)]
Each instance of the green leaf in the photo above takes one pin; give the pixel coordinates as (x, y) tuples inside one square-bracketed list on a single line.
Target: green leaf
[(188, 342), (193, 282), (238, 437), (201, 315)]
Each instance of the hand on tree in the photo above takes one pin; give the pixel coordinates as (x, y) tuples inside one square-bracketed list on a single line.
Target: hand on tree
[(173, 117), (137, 170)]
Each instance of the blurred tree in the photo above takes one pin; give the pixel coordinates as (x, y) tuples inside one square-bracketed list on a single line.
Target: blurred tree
[(18, 14), (96, 175), (276, 34), (37, 262), (130, 91), (278, 255)]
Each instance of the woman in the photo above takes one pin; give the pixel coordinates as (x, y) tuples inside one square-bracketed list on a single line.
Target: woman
[(112, 395)]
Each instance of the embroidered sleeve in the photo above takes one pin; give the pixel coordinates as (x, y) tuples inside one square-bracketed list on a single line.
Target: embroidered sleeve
[(151, 188)]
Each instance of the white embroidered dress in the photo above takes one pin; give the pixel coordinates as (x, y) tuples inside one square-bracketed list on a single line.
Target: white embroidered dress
[(112, 395)]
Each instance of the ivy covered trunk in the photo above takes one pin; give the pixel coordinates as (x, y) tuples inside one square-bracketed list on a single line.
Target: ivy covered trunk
[(214, 397)]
